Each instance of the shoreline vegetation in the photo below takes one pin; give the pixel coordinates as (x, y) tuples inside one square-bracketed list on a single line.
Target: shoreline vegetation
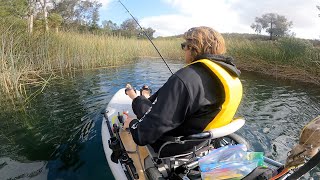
[(26, 58), (285, 58)]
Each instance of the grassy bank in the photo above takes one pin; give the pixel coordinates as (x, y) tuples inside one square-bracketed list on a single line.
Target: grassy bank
[(25, 58), (289, 58)]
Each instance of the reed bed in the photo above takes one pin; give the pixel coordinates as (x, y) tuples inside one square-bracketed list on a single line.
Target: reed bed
[(25, 58), (71, 50), (169, 48)]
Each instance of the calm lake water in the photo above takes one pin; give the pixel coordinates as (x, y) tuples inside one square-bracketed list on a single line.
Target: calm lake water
[(57, 134)]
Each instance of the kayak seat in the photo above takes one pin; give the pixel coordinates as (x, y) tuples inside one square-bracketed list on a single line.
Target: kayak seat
[(177, 151), (180, 150), (186, 145), (161, 164)]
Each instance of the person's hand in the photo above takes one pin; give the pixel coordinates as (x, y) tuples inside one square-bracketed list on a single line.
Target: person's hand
[(127, 122), (130, 91)]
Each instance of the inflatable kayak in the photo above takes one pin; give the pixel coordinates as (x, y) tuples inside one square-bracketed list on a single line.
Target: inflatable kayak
[(117, 110), (129, 161)]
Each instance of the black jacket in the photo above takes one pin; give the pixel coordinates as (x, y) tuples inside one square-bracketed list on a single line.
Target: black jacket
[(184, 105)]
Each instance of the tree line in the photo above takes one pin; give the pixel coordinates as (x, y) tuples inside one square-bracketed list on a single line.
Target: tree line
[(274, 24), (128, 28), (83, 16), (68, 15)]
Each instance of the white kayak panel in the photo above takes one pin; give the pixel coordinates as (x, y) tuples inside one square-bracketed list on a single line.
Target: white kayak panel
[(119, 103)]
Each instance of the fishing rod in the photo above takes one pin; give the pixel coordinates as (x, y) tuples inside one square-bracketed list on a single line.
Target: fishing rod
[(146, 35), (308, 166)]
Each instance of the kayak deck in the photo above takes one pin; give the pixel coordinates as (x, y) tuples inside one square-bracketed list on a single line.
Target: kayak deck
[(131, 146)]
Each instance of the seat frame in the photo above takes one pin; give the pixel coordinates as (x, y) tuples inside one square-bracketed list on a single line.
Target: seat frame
[(168, 165)]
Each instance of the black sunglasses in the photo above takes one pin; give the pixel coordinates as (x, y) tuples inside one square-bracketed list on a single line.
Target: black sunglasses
[(183, 45)]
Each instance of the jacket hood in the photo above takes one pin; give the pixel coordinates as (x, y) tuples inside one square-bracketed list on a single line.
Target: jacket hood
[(226, 63)]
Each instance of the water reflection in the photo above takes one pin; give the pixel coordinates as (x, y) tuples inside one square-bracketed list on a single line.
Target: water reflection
[(276, 111), (57, 134)]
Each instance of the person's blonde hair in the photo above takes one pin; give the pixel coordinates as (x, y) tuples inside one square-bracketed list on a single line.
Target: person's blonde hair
[(204, 40)]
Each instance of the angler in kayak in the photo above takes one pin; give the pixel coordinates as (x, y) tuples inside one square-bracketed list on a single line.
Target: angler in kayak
[(194, 99)]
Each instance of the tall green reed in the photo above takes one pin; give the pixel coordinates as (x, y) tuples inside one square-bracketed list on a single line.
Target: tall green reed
[(24, 57)]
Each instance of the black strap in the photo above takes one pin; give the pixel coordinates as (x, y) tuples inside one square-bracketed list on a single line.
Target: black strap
[(260, 173), (314, 161), (171, 139), (182, 139)]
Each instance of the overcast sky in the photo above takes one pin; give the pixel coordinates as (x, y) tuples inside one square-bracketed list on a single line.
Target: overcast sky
[(172, 17)]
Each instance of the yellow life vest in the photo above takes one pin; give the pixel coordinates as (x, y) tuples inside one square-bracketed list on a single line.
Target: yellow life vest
[(233, 93)]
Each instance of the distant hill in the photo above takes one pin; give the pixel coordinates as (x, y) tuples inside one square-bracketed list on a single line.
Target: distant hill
[(226, 35), (248, 36), (170, 37)]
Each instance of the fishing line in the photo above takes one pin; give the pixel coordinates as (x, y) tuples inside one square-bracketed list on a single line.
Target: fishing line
[(146, 35)]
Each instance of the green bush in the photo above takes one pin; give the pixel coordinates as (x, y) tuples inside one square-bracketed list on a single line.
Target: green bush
[(291, 49)]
